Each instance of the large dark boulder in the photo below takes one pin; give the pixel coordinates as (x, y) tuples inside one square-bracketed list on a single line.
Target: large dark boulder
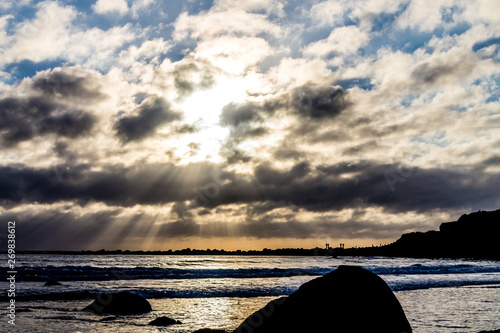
[(119, 303), (349, 299)]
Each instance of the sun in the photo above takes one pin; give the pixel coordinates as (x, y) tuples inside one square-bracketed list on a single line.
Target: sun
[(202, 109)]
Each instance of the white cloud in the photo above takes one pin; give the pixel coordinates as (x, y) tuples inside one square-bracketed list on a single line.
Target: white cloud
[(269, 6), (296, 72), (214, 23), (8, 4), (329, 12), (44, 37), (111, 6), (4, 20), (424, 15), (483, 11), (140, 6), (233, 54), (96, 47), (343, 40), (52, 35), (150, 50)]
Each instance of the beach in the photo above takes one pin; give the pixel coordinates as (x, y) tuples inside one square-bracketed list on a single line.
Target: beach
[(219, 292)]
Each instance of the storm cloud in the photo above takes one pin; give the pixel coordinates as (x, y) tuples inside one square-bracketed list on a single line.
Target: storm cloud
[(23, 119), (71, 83), (318, 102), (234, 114), (144, 120), (395, 188)]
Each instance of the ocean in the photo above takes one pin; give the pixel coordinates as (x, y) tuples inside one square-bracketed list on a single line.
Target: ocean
[(219, 292)]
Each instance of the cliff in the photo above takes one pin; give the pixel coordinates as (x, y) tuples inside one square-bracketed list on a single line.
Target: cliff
[(474, 235)]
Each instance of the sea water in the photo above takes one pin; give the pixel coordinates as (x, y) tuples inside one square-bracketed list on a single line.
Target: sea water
[(437, 295)]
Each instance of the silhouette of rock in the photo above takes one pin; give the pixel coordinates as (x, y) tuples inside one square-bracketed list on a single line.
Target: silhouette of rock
[(164, 321), (474, 235), (119, 303), (349, 299), (51, 283)]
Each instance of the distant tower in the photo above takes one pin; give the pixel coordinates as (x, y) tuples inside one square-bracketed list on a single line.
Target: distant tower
[(327, 246)]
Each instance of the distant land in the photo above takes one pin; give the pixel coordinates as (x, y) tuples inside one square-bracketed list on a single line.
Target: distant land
[(475, 235)]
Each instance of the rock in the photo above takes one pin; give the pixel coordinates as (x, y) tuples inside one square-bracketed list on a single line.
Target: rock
[(51, 283), (119, 303), (164, 321), (209, 330), (349, 299), (474, 235), (108, 318)]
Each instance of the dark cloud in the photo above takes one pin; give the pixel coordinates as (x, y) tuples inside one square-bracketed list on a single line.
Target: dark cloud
[(191, 75), (442, 70), (318, 102), (230, 150), (186, 129), (114, 185), (265, 174), (68, 84), (235, 155), (22, 119), (491, 161), (308, 101), (327, 136), (235, 114), (153, 112), (431, 73), (183, 228), (285, 152), (361, 148), (326, 188)]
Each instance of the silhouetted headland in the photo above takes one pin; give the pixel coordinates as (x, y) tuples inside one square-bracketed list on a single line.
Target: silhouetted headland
[(474, 235)]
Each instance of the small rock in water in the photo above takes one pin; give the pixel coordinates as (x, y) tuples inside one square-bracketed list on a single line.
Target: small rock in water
[(119, 303), (51, 283), (164, 321)]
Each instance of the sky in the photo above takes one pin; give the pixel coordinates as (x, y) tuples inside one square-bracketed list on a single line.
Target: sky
[(156, 125)]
